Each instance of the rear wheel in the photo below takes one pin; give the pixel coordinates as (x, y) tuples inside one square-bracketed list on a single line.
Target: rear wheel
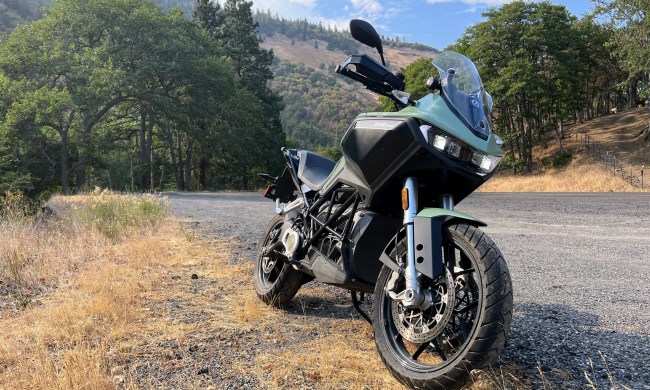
[(466, 325), (276, 282)]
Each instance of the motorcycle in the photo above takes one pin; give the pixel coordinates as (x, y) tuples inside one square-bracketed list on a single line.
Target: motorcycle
[(381, 220)]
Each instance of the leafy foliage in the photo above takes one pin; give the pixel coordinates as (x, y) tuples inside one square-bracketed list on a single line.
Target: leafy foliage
[(543, 67), (122, 95), (416, 76), (318, 107), (629, 21)]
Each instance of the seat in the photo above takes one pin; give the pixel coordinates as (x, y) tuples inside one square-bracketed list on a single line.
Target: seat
[(313, 169)]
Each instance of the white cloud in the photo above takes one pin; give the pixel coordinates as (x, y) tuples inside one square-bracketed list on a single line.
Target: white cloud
[(301, 9), (371, 7), (341, 24)]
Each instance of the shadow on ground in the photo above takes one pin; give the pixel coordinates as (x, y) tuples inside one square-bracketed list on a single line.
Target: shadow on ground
[(565, 344)]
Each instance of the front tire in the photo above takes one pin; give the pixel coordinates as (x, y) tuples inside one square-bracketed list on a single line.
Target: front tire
[(475, 331), (275, 281)]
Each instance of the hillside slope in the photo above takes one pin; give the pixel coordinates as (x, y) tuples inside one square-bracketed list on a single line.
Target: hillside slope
[(320, 104), (620, 135), (306, 52)]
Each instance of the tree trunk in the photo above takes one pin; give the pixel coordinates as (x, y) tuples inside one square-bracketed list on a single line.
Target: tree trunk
[(146, 149), (559, 133), (180, 183), (204, 164), (188, 165), (152, 123), (84, 153), (65, 162)]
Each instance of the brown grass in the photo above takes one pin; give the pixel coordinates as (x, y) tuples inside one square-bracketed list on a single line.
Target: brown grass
[(74, 293), (621, 134), (618, 134), (304, 52), (155, 308), (579, 176)]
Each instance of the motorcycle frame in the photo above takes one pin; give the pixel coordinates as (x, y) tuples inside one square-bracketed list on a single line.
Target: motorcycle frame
[(311, 210)]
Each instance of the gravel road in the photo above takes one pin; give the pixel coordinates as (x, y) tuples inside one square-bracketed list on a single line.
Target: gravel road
[(580, 266)]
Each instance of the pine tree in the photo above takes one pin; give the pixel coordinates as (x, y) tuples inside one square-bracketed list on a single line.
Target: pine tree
[(237, 33), (206, 13)]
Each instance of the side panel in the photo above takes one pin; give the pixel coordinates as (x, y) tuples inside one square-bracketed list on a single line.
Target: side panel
[(373, 150), (373, 144), (370, 235)]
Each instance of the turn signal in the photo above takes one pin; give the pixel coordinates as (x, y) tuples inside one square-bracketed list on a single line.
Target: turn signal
[(405, 198)]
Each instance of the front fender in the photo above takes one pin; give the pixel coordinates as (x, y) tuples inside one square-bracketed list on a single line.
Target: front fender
[(428, 225)]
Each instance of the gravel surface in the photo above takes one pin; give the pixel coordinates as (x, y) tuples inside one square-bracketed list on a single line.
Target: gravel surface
[(580, 265)]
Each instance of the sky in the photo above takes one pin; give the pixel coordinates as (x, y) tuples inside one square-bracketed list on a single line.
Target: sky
[(437, 23)]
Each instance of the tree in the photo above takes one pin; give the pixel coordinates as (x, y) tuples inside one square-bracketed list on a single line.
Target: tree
[(527, 54), (90, 60), (416, 75), (237, 32), (630, 22), (206, 13)]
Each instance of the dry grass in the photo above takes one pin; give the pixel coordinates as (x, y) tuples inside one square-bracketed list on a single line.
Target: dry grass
[(618, 134), (579, 176), (126, 313), (622, 134), (74, 293), (305, 52)]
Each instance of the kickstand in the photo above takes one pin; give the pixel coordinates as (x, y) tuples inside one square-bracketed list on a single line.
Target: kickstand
[(355, 303)]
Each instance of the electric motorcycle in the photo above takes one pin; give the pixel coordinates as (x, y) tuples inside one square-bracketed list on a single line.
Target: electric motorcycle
[(381, 220)]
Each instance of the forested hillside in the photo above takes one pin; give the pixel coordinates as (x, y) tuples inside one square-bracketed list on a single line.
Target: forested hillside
[(319, 104), (546, 68), (318, 107), (304, 30), (15, 12)]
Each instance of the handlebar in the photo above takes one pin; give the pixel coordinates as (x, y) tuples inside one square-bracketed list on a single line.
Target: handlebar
[(370, 73)]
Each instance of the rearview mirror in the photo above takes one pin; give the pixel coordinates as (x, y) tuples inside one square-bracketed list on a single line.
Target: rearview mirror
[(363, 32)]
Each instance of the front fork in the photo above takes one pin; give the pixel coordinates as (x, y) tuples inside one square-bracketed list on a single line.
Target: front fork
[(413, 296)]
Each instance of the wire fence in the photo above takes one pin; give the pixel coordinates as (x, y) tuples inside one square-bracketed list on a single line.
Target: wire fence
[(628, 172)]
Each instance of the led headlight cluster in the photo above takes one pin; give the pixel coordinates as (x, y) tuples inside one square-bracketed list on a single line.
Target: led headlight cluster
[(459, 150)]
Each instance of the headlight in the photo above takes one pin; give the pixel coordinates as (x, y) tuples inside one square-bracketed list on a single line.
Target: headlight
[(485, 162), (456, 149)]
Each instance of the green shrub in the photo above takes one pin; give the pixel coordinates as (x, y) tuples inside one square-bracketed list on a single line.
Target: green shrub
[(116, 215)]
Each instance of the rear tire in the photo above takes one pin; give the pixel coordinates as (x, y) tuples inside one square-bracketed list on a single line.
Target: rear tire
[(474, 334), (275, 281)]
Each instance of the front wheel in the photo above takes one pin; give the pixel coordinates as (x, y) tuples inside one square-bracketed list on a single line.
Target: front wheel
[(276, 282), (467, 320)]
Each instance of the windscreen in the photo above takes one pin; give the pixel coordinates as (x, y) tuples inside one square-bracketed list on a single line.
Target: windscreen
[(463, 90)]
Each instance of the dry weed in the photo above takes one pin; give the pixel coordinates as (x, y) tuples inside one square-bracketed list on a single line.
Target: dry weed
[(579, 176), (78, 293)]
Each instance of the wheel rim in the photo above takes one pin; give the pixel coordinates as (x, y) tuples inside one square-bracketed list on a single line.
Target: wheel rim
[(455, 337), (269, 266)]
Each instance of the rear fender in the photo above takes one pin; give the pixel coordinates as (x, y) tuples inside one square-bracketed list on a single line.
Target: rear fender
[(428, 225)]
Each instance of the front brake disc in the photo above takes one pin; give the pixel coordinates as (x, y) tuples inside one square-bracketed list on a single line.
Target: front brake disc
[(419, 326)]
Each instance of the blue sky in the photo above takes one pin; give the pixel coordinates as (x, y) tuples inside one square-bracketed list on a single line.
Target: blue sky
[(437, 23)]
